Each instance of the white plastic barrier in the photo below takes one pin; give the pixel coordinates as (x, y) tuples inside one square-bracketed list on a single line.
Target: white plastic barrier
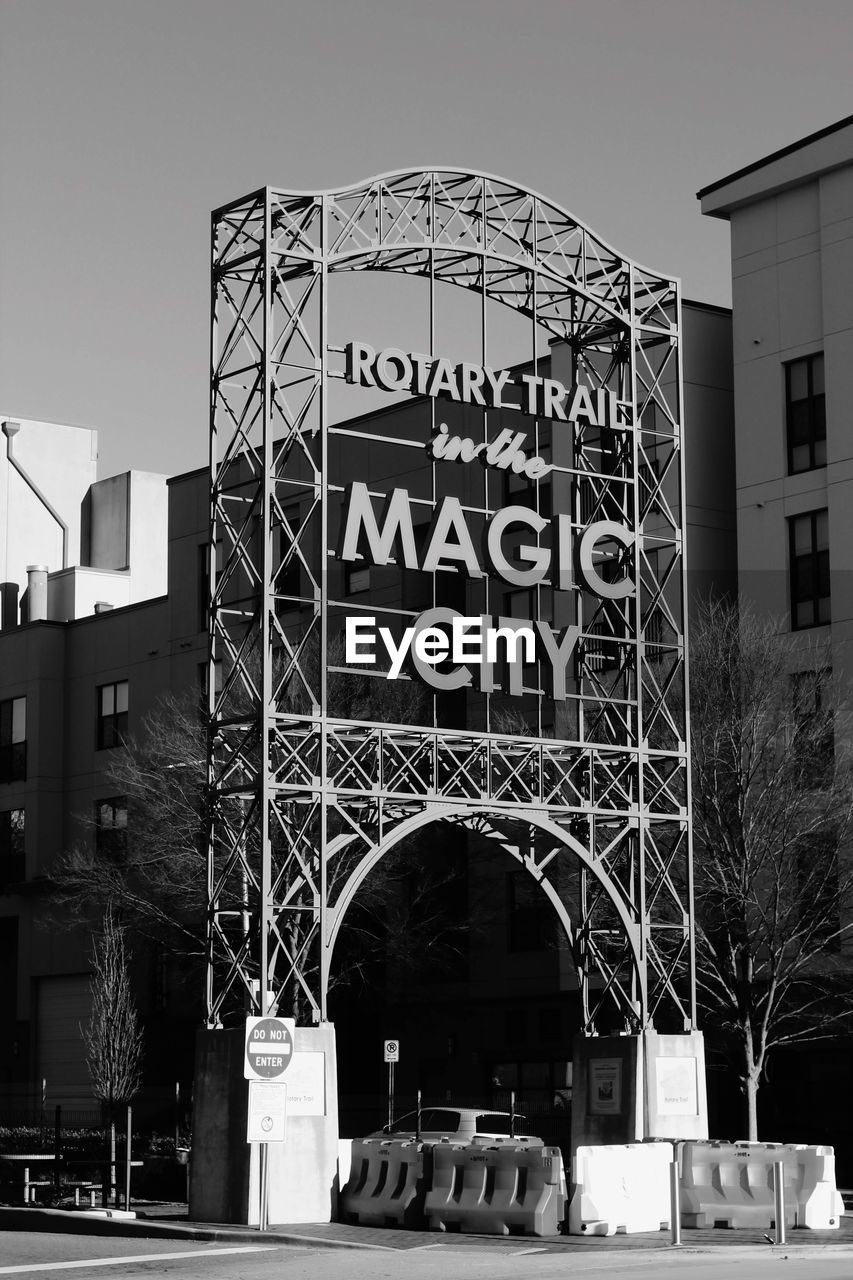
[(510, 1188), (730, 1184), (344, 1161), (819, 1202), (387, 1183), (621, 1188)]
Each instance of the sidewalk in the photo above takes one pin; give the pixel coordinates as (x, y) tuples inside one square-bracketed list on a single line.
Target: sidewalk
[(169, 1222)]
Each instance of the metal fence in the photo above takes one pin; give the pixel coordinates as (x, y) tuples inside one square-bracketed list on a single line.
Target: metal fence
[(361, 1114), (17, 1116), (156, 1109)]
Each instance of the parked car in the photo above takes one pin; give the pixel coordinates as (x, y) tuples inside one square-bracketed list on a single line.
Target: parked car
[(455, 1124)]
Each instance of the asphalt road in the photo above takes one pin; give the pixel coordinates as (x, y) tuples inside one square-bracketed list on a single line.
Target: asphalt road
[(37, 1254)]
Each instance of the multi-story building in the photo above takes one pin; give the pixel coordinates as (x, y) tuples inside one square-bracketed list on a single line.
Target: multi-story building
[(112, 616), (791, 218), (89, 638)]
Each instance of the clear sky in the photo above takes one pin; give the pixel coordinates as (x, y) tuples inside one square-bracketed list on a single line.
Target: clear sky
[(124, 122)]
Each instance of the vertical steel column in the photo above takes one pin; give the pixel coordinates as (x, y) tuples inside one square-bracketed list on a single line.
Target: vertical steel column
[(688, 782), (210, 942), (236, 614), (264, 534), (641, 978), (534, 325), (322, 872)]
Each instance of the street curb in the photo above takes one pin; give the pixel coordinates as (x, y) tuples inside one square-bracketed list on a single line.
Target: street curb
[(67, 1222)]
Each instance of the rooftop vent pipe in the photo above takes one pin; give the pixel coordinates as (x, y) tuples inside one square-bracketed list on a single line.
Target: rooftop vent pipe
[(10, 430), (36, 592)]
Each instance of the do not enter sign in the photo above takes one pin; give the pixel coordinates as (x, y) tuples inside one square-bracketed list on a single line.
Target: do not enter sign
[(269, 1047)]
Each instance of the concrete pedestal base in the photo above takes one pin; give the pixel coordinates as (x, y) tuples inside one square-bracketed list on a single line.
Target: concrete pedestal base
[(607, 1090), (302, 1170), (629, 1088), (676, 1096)]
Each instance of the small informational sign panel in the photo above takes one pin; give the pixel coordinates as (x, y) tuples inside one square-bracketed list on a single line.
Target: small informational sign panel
[(267, 1116), (392, 1050), (677, 1090), (306, 1085), (605, 1086), (269, 1047)]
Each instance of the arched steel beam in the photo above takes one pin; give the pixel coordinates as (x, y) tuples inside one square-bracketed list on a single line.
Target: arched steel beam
[(623, 322), (466, 816)]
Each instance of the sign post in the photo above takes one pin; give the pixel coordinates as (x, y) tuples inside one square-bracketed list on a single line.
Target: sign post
[(269, 1050), (392, 1056)]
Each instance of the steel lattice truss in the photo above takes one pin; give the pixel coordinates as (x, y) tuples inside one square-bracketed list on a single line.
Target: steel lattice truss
[(305, 804)]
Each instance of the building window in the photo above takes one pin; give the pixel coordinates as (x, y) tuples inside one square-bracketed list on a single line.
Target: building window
[(550, 1025), (648, 475), (818, 889), (204, 580), (652, 595), (111, 828), (521, 603), (13, 740), (814, 735), (203, 676), (809, 566), (287, 539), (600, 649), (587, 493), (805, 408), (12, 862), (515, 1032), (530, 917), (518, 490), (356, 579), (112, 715), (540, 1085), (203, 586)]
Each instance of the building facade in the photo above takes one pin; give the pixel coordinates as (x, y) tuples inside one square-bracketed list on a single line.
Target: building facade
[(791, 219), (90, 639)]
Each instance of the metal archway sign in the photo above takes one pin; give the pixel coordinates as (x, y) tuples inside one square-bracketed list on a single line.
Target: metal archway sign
[(361, 468)]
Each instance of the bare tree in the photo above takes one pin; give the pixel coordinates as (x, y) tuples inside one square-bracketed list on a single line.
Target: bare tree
[(113, 1037), (772, 803)]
